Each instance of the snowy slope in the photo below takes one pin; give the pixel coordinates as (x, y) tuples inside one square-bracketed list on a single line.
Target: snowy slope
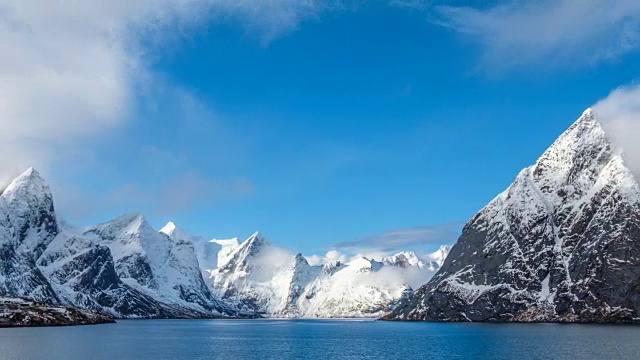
[(560, 244), (265, 279), (162, 267), (208, 252)]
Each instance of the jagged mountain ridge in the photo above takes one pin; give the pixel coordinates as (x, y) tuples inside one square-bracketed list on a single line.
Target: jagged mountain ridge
[(123, 267), (129, 270), (562, 243), (261, 278)]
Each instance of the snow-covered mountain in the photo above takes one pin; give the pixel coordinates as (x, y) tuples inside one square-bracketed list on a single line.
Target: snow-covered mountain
[(562, 243), (127, 269), (27, 226), (122, 267), (259, 277), (432, 261)]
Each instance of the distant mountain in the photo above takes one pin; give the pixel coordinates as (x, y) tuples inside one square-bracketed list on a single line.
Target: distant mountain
[(432, 261), (562, 243), (259, 277)]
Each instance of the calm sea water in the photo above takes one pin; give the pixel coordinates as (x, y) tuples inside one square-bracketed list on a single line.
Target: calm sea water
[(323, 339)]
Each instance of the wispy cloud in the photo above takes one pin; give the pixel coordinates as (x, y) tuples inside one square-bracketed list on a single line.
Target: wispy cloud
[(406, 239), (271, 18), (412, 4), (72, 72), (77, 75), (619, 114), (548, 33), (172, 196)]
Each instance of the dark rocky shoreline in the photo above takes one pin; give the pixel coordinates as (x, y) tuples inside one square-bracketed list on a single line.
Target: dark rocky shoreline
[(17, 312)]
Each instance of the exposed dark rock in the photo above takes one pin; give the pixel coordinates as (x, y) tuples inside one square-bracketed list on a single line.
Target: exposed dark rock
[(17, 312)]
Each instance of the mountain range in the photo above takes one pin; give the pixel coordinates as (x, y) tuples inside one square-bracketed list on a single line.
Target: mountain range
[(127, 269), (560, 244)]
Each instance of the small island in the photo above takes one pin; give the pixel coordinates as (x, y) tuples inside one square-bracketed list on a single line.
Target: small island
[(18, 312)]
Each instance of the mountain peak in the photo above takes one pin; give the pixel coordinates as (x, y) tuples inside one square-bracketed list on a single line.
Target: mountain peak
[(30, 172), (563, 227), (29, 182), (133, 223), (169, 228), (588, 114), (254, 241), (174, 231), (255, 236), (238, 256), (364, 264), (403, 259)]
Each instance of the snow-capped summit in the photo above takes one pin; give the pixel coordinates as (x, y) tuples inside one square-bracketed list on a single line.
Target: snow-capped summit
[(27, 226), (29, 206), (227, 246), (268, 280), (560, 244), (171, 228), (437, 258), (207, 251), (363, 265), (404, 259), (407, 259), (28, 185), (238, 258)]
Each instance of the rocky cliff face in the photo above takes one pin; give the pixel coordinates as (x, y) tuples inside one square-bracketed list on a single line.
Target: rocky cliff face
[(562, 243)]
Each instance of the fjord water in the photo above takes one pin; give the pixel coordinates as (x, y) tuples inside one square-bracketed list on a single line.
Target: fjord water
[(323, 339)]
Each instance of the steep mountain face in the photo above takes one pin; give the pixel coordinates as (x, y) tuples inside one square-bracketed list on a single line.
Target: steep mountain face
[(208, 252), (27, 225), (126, 268), (156, 264), (258, 277), (562, 243), (122, 267)]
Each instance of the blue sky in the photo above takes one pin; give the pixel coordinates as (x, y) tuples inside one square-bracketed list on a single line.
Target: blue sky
[(319, 124)]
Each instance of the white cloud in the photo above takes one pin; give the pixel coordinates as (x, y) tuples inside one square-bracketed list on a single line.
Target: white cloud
[(419, 240), (70, 71), (619, 114), (412, 4), (330, 256), (404, 239), (271, 18), (169, 196), (548, 32)]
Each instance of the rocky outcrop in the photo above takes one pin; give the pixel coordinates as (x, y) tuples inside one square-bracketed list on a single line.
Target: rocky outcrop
[(16, 312)]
